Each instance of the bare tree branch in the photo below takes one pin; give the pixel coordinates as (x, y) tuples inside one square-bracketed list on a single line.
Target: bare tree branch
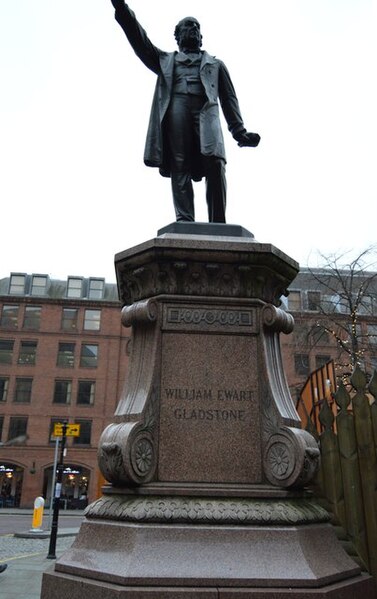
[(351, 284)]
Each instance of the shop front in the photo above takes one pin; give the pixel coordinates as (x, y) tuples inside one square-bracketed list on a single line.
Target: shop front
[(11, 477), (74, 492)]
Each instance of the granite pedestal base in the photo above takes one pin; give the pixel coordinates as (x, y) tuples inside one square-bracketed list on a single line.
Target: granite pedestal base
[(206, 459), (112, 560), (148, 546)]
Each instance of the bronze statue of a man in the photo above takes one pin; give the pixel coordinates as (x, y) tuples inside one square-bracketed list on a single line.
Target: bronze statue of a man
[(184, 138)]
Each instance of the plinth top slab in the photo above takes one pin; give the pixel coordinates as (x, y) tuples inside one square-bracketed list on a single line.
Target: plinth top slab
[(218, 229), (206, 236)]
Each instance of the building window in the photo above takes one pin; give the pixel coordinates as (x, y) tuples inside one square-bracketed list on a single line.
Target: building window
[(4, 382), (321, 361), (17, 285), (85, 393), (17, 427), (69, 319), (74, 287), (22, 392), (294, 301), (96, 287), (66, 355), (1, 427), (372, 333), (92, 320), (6, 351), (28, 351), (314, 300), (89, 356), (39, 285), (32, 318), (9, 317), (302, 364), (85, 432), (62, 392)]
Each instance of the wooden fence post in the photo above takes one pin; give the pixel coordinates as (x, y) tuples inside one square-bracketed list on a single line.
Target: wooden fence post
[(349, 464), (330, 465), (367, 462)]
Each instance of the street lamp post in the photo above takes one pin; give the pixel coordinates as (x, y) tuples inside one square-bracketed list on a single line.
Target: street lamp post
[(58, 489), (50, 506)]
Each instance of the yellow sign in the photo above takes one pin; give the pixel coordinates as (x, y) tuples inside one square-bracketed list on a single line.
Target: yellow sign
[(72, 430)]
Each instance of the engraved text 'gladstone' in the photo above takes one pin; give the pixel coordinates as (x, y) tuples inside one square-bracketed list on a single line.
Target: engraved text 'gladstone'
[(224, 413), (217, 415)]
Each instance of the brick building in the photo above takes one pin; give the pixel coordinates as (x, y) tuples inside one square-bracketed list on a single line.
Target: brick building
[(62, 356)]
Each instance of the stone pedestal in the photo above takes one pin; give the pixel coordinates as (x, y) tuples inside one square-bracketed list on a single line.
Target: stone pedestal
[(206, 459)]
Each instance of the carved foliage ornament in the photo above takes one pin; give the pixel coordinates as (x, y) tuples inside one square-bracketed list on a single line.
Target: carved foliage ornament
[(156, 509), (198, 278)]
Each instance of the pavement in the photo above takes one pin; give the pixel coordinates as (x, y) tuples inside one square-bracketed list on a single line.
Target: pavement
[(27, 559)]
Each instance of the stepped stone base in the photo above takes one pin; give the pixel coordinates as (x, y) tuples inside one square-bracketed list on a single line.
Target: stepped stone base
[(75, 588), (115, 559)]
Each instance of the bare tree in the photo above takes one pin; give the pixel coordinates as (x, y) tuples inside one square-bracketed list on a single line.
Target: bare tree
[(347, 306)]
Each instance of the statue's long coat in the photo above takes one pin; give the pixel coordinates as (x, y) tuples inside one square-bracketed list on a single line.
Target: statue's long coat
[(217, 85)]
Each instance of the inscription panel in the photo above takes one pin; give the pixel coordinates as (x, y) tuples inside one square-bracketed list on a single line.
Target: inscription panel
[(186, 317), (209, 409)]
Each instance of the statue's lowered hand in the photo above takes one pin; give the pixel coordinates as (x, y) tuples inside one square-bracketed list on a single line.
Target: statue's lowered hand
[(248, 140)]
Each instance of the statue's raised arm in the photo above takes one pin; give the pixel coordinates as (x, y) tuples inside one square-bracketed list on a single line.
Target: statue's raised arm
[(184, 138), (137, 36)]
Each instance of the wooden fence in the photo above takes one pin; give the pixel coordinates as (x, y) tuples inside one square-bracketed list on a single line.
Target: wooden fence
[(347, 479)]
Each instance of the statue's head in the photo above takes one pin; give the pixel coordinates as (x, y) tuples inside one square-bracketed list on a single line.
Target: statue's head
[(187, 33)]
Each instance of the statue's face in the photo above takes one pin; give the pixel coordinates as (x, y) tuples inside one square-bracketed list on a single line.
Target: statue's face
[(189, 33)]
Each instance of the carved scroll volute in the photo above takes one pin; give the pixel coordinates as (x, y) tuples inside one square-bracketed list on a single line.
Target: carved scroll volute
[(128, 449), (280, 407), (277, 320), (140, 312), (291, 458), (127, 454), (290, 454)]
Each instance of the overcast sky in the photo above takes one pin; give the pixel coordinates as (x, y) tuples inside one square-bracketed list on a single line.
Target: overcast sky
[(74, 109)]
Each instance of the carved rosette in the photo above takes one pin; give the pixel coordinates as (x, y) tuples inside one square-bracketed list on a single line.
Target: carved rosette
[(127, 454), (143, 455), (291, 457)]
